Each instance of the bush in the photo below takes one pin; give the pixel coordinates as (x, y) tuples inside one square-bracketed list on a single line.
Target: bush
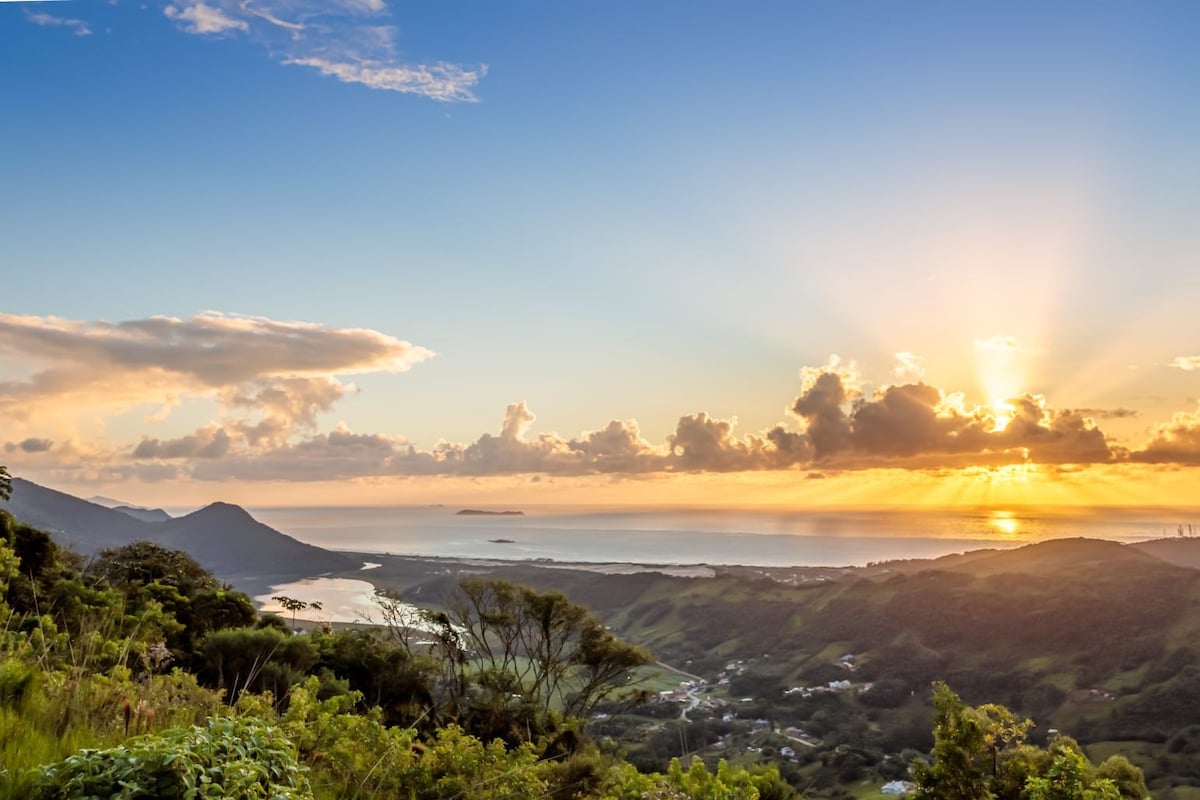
[(228, 758)]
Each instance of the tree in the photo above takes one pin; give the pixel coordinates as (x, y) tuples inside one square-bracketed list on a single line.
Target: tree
[(140, 564), (293, 605), (5, 483), (537, 653), (980, 753)]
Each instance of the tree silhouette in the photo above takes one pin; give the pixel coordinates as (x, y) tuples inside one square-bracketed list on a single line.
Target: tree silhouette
[(5, 483), (293, 605)]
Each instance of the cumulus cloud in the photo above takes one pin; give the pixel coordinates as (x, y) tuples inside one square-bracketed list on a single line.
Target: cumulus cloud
[(1186, 363), (78, 27), (1174, 442), (349, 40), (208, 442), (919, 425), (837, 426), (274, 382), (271, 378)]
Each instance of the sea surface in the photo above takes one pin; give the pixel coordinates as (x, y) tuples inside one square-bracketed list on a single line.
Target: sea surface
[(758, 537), (711, 536)]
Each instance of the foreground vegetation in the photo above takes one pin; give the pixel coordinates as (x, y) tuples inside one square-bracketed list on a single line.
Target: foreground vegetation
[(139, 674)]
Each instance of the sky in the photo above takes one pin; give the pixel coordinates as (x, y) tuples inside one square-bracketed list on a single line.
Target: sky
[(695, 253)]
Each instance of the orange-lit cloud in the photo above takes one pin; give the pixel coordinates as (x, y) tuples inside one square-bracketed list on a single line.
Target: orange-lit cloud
[(287, 370), (272, 382)]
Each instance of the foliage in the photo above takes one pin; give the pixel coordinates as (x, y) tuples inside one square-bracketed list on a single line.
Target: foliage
[(293, 605), (384, 674), (144, 563), (357, 756), (256, 660), (981, 753), (5, 483), (227, 758), (539, 649), (694, 783)]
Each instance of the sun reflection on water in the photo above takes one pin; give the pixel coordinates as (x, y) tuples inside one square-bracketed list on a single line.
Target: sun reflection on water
[(1006, 523)]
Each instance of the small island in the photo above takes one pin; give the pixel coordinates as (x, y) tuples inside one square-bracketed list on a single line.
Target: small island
[(503, 541), (475, 512)]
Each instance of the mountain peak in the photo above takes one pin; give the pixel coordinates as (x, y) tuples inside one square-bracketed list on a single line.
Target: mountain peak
[(221, 510)]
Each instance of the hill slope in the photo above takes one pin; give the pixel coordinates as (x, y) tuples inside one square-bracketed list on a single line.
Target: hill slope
[(144, 514), (222, 537)]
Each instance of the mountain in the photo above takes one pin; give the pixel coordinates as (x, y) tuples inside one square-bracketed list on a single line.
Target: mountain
[(222, 537), (144, 514), (107, 502), (227, 540), (80, 524)]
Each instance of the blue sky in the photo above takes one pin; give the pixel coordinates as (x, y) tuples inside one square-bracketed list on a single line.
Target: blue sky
[(612, 211)]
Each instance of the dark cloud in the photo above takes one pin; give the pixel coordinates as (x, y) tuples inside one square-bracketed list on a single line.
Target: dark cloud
[(30, 445), (210, 442), (1175, 442)]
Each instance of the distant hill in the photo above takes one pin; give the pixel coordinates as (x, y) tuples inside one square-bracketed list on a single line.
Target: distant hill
[(222, 537), (1182, 551), (475, 512), (1051, 557), (107, 502), (144, 514)]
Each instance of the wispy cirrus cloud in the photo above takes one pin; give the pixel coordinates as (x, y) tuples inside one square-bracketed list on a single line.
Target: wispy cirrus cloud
[(78, 27), (350, 40), (199, 17)]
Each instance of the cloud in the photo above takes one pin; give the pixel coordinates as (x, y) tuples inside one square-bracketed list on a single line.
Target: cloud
[(285, 372), (349, 40), (909, 367), (31, 445), (208, 442), (1174, 442), (77, 26), (199, 17), (1186, 363), (446, 82), (274, 382), (286, 404), (1108, 413)]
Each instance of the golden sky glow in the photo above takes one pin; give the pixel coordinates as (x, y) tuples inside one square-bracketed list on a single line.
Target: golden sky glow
[(523, 268)]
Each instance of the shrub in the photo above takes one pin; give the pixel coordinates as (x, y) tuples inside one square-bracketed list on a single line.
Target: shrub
[(242, 758)]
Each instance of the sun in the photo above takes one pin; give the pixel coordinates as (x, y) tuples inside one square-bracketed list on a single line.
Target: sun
[(1001, 374), (1002, 414)]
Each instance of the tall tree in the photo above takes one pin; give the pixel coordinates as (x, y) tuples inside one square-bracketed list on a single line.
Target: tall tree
[(5, 483), (543, 649), (980, 753)]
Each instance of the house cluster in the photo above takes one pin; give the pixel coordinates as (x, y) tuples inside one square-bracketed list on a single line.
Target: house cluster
[(899, 788), (832, 686)]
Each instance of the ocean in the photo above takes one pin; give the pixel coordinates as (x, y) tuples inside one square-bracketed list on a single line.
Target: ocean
[(759, 537)]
